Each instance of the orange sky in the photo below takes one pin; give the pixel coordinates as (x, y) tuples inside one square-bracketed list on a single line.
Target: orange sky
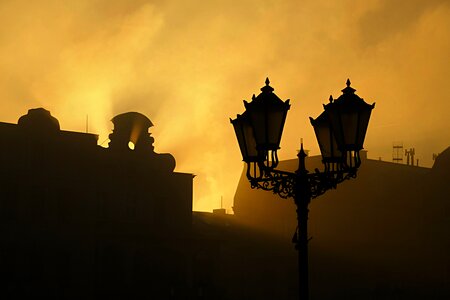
[(188, 65)]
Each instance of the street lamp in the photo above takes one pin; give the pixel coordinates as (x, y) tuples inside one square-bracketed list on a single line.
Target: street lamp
[(340, 132), (266, 115)]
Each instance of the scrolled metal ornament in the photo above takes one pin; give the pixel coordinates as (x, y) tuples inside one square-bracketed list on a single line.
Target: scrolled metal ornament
[(283, 183)]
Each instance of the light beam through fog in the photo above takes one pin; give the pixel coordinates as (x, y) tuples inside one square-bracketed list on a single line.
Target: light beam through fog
[(189, 64)]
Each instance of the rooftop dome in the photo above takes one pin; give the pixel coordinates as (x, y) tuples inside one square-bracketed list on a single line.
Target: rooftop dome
[(131, 127), (39, 120), (131, 124)]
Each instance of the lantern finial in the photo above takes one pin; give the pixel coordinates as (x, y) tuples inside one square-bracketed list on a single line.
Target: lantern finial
[(302, 151), (267, 88), (348, 89), (331, 98), (302, 155)]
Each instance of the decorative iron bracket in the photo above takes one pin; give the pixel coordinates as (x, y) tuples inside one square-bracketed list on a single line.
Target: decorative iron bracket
[(287, 184)]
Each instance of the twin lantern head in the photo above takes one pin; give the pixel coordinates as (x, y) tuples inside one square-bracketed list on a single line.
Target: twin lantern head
[(340, 129)]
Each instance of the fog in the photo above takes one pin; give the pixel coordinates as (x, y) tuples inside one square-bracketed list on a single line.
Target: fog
[(188, 65)]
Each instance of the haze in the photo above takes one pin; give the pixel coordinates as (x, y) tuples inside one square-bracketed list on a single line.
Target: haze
[(188, 65)]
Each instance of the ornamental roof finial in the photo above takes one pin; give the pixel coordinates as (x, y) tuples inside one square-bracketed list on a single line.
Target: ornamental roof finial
[(348, 89), (267, 88)]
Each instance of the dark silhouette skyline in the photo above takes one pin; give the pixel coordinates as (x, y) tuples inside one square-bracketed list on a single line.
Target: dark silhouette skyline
[(82, 221), (382, 236)]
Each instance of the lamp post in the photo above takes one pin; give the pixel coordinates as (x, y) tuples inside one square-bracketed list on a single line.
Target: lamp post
[(340, 132)]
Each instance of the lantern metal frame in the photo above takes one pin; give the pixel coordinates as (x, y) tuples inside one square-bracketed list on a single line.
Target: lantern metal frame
[(302, 185), (267, 113)]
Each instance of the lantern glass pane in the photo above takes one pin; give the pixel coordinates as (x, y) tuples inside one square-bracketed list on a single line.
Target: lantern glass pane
[(258, 121), (250, 143), (246, 139), (326, 139), (268, 121), (349, 122), (275, 123), (364, 116), (323, 138), (336, 125)]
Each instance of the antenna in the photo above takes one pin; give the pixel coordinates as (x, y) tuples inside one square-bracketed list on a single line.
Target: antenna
[(410, 155), (87, 123), (397, 152), (221, 210)]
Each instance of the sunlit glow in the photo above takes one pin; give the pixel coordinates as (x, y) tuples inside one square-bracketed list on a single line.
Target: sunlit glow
[(188, 70), (136, 131)]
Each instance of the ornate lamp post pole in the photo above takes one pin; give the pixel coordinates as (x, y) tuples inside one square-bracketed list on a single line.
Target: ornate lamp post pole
[(340, 132)]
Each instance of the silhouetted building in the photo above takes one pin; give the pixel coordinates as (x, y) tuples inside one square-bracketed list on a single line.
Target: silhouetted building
[(81, 221), (383, 235)]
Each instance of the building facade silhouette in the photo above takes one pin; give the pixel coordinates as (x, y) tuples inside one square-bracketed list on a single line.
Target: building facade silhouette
[(82, 221), (384, 235)]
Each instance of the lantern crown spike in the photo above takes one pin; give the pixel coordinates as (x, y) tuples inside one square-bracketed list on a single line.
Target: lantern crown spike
[(348, 89), (302, 151), (267, 88), (302, 155)]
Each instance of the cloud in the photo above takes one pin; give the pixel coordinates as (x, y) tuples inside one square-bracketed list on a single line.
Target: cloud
[(188, 65)]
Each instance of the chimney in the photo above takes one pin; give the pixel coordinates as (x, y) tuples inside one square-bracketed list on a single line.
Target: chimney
[(220, 211), (363, 154)]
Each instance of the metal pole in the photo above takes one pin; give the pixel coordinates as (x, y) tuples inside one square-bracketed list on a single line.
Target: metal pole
[(302, 199), (302, 248)]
